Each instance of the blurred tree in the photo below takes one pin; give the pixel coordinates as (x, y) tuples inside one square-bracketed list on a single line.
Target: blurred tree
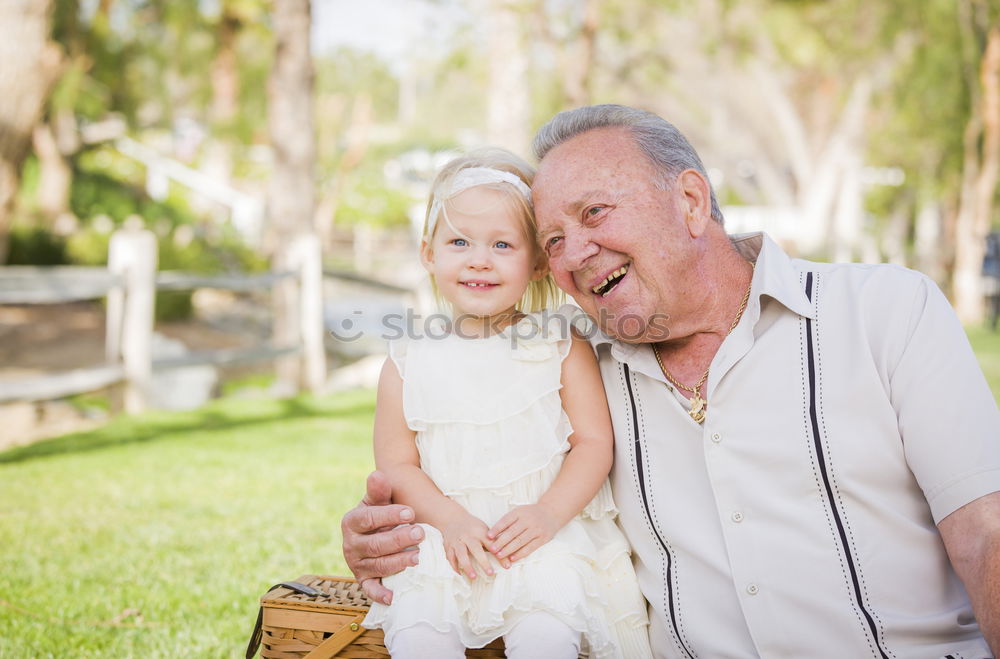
[(783, 98), (979, 22), (239, 31), (31, 65), (918, 123), (291, 196), (56, 139), (569, 32), (508, 88)]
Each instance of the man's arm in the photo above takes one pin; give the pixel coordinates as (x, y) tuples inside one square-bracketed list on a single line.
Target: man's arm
[(972, 537), (373, 546)]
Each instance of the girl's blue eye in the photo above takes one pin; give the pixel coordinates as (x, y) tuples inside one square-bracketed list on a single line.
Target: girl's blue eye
[(459, 242), (503, 245)]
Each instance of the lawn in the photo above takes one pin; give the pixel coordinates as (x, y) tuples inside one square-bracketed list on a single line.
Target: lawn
[(987, 347), (156, 535)]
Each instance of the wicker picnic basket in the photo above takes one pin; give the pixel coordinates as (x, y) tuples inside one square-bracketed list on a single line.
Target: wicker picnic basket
[(320, 618)]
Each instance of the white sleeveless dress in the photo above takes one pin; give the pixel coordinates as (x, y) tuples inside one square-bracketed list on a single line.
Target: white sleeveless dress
[(492, 435)]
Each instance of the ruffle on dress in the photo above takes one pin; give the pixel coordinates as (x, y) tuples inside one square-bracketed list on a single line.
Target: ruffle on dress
[(492, 435)]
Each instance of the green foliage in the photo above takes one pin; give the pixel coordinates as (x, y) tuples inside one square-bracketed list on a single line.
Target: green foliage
[(347, 72), (186, 517), (919, 120), (31, 245), (370, 201), (95, 194), (88, 247)]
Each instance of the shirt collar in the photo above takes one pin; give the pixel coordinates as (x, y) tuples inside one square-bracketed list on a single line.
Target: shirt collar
[(774, 276)]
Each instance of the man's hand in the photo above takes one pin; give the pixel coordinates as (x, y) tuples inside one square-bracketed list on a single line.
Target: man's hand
[(465, 544), (373, 546), (522, 531)]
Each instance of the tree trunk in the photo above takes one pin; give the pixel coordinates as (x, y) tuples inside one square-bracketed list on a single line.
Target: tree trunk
[(218, 160), (30, 67), (292, 189), (507, 114), (53, 142), (575, 55), (980, 171)]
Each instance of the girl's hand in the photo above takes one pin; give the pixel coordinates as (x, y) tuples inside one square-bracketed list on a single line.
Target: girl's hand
[(464, 544), (522, 531)]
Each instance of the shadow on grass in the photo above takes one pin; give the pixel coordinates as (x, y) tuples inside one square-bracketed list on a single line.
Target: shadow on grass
[(221, 415)]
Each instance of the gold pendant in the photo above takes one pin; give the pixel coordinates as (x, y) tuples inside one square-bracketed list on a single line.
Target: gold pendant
[(697, 410)]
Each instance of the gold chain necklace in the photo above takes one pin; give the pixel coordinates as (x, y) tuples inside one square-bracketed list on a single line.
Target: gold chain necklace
[(697, 411)]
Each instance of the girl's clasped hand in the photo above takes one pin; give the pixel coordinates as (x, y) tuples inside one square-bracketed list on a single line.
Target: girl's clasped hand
[(468, 542)]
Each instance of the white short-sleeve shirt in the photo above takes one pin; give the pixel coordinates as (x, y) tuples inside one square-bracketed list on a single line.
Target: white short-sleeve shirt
[(846, 416)]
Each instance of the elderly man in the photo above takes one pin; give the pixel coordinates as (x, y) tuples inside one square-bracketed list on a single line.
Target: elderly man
[(807, 455)]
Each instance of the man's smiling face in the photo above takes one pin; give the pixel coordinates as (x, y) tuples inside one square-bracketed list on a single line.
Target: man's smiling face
[(617, 242)]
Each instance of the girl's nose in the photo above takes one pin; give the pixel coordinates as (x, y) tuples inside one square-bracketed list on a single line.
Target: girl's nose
[(479, 259)]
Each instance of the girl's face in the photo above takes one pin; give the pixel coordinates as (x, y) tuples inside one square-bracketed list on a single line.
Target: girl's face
[(483, 262)]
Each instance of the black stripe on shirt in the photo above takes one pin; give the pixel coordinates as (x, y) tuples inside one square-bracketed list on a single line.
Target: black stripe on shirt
[(821, 460), (645, 502)]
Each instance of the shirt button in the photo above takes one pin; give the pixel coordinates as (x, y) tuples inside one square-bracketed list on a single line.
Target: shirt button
[(716, 437), (753, 589), (737, 517)]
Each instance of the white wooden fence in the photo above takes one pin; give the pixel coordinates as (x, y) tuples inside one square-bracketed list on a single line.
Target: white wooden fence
[(130, 282)]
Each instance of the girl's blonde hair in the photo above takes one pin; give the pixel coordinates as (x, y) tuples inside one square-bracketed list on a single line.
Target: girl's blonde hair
[(540, 294)]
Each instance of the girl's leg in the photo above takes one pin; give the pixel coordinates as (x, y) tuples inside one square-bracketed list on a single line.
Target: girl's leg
[(422, 640), (541, 635)]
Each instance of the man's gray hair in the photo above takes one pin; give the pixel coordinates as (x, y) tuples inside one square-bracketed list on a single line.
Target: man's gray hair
[(663, 144)]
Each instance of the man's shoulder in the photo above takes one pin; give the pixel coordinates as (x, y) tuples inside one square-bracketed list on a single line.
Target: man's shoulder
[(861, 281)]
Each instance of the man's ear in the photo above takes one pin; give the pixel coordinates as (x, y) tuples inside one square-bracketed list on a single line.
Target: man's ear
[(426, 255), (695, 200)]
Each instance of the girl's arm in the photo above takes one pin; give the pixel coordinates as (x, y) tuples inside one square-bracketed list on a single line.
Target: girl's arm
[(396, 456), (526, 528)]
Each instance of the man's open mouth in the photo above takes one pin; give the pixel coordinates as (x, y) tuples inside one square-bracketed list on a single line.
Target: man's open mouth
[(610, 281)]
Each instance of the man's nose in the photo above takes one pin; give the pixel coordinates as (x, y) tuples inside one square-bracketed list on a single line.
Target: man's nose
[(577, 248)]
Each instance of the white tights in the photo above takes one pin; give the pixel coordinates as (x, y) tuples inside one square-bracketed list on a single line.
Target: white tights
[(537, 636)]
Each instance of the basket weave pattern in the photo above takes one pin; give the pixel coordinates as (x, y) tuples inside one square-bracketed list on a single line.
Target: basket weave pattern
[(296, 626)]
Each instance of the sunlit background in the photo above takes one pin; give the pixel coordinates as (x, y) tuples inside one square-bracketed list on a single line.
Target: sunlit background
[(851, 130), (207, 199)]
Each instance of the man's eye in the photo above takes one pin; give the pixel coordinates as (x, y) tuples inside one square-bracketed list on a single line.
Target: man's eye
[(594, 211), (552, 243)]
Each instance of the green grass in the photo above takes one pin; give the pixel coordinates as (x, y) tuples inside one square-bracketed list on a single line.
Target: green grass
[(987, 346), (185, 517)]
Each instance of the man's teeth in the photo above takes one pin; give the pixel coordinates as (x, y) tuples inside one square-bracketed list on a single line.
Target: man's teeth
[(614, 275)]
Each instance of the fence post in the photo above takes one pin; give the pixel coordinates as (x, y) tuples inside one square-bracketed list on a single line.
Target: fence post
[(132, 255), (308, 254)]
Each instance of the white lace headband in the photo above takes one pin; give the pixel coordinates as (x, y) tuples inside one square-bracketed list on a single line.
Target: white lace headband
[(467, 178)]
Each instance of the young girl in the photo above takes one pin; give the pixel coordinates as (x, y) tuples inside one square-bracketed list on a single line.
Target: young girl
[(494, 428)]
